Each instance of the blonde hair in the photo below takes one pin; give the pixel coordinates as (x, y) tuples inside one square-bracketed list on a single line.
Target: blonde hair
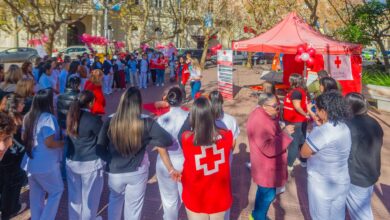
[(126, 126), (195, 64), (96, 77), (25, 87), (13, 75)]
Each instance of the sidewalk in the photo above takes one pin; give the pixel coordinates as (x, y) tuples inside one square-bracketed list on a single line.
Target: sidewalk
[(290, 205)]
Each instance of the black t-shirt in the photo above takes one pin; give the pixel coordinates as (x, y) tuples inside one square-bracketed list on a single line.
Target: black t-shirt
[(296, 95), (83, 147), (365, 158), (153, 135)]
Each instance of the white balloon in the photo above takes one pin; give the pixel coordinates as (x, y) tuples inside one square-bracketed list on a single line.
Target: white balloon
[(305, 56)]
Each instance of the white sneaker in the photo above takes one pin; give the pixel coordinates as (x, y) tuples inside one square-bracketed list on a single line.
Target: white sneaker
[(162, 84), (248, 165), (98, 218)]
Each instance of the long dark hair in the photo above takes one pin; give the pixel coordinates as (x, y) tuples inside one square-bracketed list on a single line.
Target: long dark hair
[(329, 84), (217, 104), (44, 68), (126, 126), (334, 104), (85, 98), (202, 121), (73, 68), (357, 103), (42, 102)]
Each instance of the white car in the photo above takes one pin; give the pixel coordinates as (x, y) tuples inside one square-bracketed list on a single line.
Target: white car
[(73, 51)]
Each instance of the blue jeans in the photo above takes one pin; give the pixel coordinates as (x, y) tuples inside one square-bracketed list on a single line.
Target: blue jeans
[(160, 76), (264, 198), (195, 88)]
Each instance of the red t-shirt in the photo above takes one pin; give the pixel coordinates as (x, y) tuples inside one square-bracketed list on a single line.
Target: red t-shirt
[(206, 174), (100, 101)]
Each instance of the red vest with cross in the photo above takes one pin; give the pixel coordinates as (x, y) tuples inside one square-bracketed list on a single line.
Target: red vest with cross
[(206, 174), (289, 112)]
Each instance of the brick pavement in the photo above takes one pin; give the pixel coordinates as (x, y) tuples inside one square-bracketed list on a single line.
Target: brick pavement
[(290, 205)]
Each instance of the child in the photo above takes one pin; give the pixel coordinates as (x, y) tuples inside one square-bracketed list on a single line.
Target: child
[(143, 72)]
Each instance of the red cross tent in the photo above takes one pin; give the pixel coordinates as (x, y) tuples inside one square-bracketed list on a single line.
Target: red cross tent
[(341, 59)]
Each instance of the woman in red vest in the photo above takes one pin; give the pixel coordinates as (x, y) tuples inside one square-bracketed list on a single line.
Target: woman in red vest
[(206, 171), (295, 113), (94, 84)]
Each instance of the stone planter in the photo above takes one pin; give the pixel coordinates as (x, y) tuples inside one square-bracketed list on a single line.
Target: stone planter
[(379, 93)]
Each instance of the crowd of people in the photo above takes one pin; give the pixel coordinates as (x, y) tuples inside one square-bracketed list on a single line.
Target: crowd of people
[(52, 129)]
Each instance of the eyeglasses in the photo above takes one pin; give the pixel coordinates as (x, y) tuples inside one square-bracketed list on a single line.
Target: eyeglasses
[(274, 106)]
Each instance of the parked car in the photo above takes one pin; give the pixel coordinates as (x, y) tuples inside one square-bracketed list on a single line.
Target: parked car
[(260, 58), (18, 55), (73, 51), (369, 54), (238, 57)]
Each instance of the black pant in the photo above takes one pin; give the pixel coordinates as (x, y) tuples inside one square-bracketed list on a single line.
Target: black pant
[(182, 87), (153, 72), (299, 137), (11, 182)]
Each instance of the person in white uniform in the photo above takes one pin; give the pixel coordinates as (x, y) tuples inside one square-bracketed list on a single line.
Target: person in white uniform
[(41, 134), (84, 167), (328, 147), (172, 121), (123, 146), (224, 121)]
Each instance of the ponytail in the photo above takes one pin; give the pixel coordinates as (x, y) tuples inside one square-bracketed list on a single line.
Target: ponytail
[(74, 113)]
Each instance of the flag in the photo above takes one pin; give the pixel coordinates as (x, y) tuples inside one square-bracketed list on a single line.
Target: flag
[(98, 5), (117, 7), (338, 66)]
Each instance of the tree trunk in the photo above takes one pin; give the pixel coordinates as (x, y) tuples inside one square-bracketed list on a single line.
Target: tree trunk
[(205, 48), (249, 64), (50, 43), (145, 17), (384, 54)]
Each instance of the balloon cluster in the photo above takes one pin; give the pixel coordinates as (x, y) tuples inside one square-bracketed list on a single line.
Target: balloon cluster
[(215, 48), (305, 54), (249, 30), (38, 41), (144, 47), (96, 40), (119, 44)]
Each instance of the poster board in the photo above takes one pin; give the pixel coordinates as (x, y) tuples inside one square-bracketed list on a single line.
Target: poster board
[(225, 73)]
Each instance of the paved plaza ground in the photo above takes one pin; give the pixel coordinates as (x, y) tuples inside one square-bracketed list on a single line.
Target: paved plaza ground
[(290, 205)]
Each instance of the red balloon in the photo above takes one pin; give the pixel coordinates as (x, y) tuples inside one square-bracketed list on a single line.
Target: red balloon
[(311, 52), (298, 58), (219, 46), (300, 49), (310, 61)]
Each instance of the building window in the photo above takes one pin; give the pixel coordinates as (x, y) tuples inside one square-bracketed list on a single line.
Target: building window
[(157, 3)]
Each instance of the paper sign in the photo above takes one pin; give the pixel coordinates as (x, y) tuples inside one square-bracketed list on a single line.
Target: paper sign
[(338, 66), (225, 73)]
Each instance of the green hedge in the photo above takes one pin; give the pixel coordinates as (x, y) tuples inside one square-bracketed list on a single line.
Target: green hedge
[(376, 77)]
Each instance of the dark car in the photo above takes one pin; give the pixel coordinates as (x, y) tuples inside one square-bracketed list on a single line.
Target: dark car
[(18, 55), (262, 58)]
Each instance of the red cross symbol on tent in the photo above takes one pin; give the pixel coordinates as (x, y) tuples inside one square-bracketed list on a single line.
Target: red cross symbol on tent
[(210, 159), (337, 61)]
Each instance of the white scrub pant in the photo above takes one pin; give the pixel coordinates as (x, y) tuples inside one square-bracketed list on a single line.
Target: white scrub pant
[(107, 83), (359, 202), (170, 190), (326, 199), (127, 189), (84, 191), (40, 184)]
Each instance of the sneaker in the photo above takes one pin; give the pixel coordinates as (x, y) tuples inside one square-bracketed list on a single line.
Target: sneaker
[(303, 164), (98, 218), (248, 165), (162, 84)]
